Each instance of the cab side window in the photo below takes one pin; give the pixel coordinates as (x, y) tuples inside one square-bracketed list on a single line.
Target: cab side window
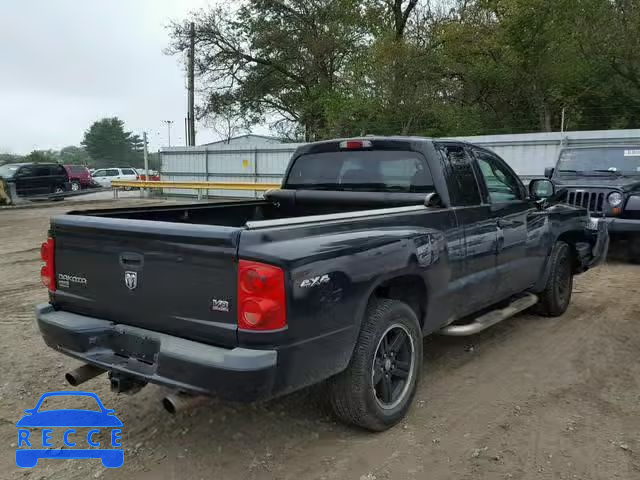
[(463, 186), (42, 170), (502, 184), (26, 171)]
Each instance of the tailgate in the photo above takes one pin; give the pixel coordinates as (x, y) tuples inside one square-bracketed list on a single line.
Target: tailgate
[(174, 278)]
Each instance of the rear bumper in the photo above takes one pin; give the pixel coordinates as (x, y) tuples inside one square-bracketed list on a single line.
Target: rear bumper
[(238, 374), (623, 225)]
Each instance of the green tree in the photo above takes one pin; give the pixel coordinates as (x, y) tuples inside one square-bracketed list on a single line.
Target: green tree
[(42, 156), (270, 58), (325, 68), (73, 155), (108, 144), (10, 158)]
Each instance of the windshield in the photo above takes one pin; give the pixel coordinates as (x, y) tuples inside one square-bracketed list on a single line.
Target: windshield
[(8, 171), (600, 160), (362, 170)]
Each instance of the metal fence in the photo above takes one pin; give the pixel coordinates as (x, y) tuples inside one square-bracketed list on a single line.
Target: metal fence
[(528, 154)]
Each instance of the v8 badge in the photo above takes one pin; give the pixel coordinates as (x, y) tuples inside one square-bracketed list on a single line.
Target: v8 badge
[(219, 305)]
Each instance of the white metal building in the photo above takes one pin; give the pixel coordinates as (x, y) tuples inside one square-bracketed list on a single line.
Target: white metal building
[(248, 140), (248, 161)]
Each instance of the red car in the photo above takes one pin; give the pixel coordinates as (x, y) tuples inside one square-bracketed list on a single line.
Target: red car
[(79, 177)]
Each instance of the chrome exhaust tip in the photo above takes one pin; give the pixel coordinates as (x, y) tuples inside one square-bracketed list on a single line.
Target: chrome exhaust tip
[(82, 374), (179, 402)]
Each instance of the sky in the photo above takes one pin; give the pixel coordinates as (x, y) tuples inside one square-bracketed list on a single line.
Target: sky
[(66, 63)]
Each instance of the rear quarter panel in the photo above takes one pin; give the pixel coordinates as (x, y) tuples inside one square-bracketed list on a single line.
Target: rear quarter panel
[(357, 256)]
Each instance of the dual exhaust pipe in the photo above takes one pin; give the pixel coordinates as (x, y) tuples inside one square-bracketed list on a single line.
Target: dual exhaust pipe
[(179, 402), (81, 374), (173, 402)]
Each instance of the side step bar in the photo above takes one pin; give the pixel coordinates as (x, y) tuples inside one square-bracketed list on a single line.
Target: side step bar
[(491, 318)]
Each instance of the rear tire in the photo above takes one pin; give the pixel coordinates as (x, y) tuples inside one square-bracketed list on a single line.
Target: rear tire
[(556, 296), (75, 186), (377, 388)]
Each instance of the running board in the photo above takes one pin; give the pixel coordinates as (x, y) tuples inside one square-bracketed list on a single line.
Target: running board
[(491, 318)]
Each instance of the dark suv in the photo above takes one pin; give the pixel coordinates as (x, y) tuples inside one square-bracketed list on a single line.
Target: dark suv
[(606, 181), (35, 178)]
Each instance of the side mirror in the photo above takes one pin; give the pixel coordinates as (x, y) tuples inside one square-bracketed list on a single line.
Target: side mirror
[(541, 188), (548, 172)]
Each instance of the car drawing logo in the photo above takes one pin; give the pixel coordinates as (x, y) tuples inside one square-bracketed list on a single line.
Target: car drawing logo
[(60, 425), (131, 280)]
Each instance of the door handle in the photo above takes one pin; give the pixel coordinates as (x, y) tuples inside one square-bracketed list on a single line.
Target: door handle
[(499, 240)]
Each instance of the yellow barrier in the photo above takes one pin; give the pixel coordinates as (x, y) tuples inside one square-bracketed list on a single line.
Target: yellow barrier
[(199, 186), (262, 187)]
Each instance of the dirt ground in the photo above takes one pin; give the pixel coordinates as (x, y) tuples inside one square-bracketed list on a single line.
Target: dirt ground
[(531, 398)]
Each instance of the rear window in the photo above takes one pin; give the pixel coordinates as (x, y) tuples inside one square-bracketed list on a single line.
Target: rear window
[(77, 169), (362, 170), (128, 171)]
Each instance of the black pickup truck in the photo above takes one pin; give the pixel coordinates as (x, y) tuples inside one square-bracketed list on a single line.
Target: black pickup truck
[(606, 181), (370, 245)]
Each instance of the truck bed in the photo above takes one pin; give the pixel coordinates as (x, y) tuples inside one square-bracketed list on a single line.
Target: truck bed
[(123, 265), (278, 204)]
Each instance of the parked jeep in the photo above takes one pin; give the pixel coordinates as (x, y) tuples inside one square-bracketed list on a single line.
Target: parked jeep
[(606, 181)]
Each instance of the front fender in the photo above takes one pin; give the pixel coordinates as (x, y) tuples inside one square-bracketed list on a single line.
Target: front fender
[(588, 236)]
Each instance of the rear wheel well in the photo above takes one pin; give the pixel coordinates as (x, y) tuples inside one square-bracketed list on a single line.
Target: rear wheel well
[(409, 289)]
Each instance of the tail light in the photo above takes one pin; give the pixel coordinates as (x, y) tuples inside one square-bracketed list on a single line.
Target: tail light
[(261, 298), (48, 270)]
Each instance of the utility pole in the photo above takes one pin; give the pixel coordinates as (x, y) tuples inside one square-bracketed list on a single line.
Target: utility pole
[(190, 86), (562, 127), (168, 122), (145, 153)]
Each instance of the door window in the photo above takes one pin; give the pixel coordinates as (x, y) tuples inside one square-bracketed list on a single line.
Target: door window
[(128, 171), (42, 170), (502, 184), (100, 173), (112, 172), (463, 187), (26, 171)]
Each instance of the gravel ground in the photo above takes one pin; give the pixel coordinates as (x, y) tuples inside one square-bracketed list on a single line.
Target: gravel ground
[(531, 398)]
